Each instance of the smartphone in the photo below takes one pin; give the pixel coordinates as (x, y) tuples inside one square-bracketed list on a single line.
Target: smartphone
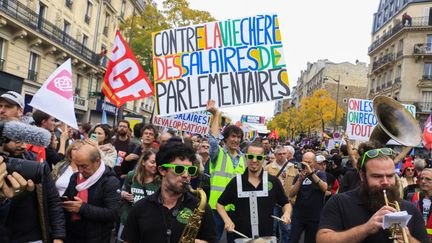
[(93, 137), (64, 198)]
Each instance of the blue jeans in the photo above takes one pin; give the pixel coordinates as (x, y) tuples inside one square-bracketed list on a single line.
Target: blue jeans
[(280, 230)]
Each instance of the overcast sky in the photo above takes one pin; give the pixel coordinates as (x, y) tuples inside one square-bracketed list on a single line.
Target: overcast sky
[(337, 30)]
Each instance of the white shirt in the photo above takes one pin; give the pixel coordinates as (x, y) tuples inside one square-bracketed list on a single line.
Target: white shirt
[(63, 181)]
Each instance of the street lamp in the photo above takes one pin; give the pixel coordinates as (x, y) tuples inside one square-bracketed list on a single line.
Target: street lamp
[(337, 98)]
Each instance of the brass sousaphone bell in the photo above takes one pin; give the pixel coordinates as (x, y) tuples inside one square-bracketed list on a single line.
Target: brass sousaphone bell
[(394, 122)]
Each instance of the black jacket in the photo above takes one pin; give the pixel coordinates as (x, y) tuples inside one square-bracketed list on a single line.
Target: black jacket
[(24, 217), (98, 214)]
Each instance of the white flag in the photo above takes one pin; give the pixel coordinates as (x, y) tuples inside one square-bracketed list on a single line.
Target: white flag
[(55, 97)]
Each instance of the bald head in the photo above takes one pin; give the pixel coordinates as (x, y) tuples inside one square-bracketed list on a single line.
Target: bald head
[(88, 159), (309, 156)]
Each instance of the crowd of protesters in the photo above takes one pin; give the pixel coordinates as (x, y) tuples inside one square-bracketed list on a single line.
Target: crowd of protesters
[(121, 184)]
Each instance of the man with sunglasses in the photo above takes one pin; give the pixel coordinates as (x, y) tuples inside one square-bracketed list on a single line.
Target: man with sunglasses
[(254, 195), (357, 215), (162, 216), (422, 200)]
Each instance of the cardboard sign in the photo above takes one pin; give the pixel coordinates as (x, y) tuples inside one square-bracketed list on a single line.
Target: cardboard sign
[(233, 62), (196, 123), (361, 120)]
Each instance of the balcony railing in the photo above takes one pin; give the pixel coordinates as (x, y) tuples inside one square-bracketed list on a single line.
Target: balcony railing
[(423, 106), (416, 22), (423, 48), (427, 77), (87, 19), (32, 75), (389, 83), (2, 64), (383, 60), (25, 15)]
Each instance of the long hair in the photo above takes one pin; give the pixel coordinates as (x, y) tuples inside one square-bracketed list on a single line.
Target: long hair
[(140, 168), (107, 131)]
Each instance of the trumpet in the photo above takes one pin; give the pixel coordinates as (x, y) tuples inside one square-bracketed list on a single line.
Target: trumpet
[(395, 228)]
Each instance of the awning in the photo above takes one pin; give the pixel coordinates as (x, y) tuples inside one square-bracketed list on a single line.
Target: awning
[(260, 128)]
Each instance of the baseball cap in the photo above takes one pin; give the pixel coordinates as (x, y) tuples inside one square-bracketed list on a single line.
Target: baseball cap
[(13, 97), (320, 159)]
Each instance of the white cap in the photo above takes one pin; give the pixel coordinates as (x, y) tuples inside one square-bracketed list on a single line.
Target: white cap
[(320, 159), (13, 97)]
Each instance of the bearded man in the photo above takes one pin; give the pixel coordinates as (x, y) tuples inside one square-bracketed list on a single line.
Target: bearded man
[(357, 215)]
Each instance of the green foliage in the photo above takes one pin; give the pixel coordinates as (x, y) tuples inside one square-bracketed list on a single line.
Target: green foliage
[(152, 20)]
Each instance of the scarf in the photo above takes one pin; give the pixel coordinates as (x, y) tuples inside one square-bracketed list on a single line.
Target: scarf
[(84, 184)]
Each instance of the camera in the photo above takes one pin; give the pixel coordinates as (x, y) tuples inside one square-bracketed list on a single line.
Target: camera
[(30, 170), (299, 166)]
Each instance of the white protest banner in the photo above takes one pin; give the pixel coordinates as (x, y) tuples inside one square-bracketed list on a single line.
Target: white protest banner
[(196, 123), (361, 120), (234, 62), (55, 97)]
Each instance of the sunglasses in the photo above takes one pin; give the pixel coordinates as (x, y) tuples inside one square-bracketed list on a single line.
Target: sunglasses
[(370, 154), (409, 169), (254, 156), (180, 169)]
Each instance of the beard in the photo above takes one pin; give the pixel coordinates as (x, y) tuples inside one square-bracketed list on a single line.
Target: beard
[(375, 196)]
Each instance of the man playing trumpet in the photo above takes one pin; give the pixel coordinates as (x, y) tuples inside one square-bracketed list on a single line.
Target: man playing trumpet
[(357, 215)]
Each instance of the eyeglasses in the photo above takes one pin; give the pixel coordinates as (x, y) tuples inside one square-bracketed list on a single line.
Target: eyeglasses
[(428, 180), (370, 154), (254, 156), (180, 169), (205, 146)]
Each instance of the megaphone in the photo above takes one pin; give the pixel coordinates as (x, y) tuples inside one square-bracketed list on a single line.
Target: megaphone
[(394, 122)]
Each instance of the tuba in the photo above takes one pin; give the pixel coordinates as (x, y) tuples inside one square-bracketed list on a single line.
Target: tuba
[(191, 230), (394, 122)]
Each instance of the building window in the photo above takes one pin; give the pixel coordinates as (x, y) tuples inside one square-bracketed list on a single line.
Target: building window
[(78, 85), (69, 3), (427, 71), (66, 27), (42, 13), (33, 65), (106, 25), (88, 12), (85, 40), (123, 7), (427, 101), (2, 51)]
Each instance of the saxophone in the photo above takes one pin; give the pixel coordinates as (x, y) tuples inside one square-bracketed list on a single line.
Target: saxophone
[(191, 230)]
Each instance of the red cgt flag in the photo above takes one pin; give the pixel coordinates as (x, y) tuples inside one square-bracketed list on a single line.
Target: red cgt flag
[(427, 133), (124, 79)]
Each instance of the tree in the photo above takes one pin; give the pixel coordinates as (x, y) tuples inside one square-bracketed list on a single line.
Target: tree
[(140, 28), (286, 123), (179, 14), (320, 109)]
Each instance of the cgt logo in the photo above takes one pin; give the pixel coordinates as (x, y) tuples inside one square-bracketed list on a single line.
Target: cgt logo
[(61, 84), (183, 215)]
